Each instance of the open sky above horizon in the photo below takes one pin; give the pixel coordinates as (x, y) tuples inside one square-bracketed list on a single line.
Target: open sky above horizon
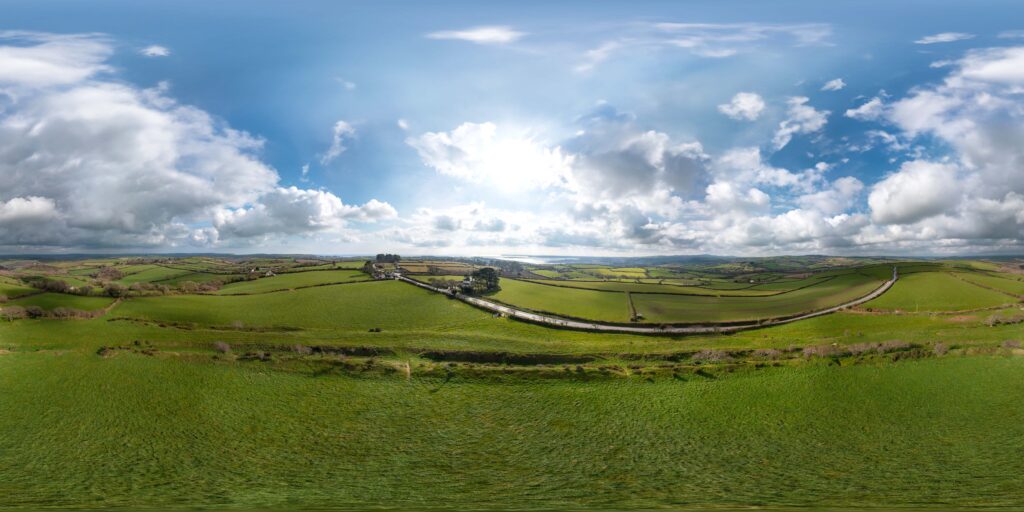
[(489, 128)]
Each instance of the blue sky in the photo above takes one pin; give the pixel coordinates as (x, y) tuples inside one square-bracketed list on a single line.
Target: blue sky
[(512, 127)]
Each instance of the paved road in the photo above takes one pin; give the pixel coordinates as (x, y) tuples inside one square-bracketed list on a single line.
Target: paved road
[(564, 323)]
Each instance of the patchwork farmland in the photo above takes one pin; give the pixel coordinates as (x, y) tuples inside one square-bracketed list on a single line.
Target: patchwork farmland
[(372, 382)]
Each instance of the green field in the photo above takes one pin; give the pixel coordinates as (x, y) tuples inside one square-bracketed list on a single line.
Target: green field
[(137, 431), (679, 308), (360, 305), (588, 304), (1012, 284), (12, 288), (937, 291), (50, 301), (617, 286), (149, 274), (726, 306), (309, 406), (293, 280)]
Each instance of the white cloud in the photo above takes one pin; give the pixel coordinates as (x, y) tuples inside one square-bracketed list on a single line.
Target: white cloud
[(27, 209), (838, 198), (1011, 34), (834, 85), (481, 35), (744, 105), (91, 163), (801, 119), (294, 211), (994, 65), (919, 190), (869, 111), (944, 37), (155, 51), (479, 152), (342, 131), (614, 165), (402, 124), (33, 59), (727, 198), (746, 166), (891, 141)]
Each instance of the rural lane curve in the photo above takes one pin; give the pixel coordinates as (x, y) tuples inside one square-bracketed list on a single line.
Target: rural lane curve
[(580, 325)]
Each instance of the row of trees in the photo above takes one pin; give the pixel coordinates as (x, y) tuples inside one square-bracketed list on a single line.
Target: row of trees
[(115, 289), (388, 258), (11, 313)]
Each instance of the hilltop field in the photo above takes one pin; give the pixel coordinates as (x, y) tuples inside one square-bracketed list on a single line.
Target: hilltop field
[(244, 382)]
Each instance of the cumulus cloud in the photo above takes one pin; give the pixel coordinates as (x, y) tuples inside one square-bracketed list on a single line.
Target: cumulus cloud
[(91, 162), (801, 119), (919, 190), (155, 51), (834, 85), (294, 211), (956, 185), (481, 35), (840, 196), (747, 166), (480, 152), (978, 112), (744, 106), (944, 37), (34, 59), (869, 111), (342, 131), (1003, 66), (615, 161)]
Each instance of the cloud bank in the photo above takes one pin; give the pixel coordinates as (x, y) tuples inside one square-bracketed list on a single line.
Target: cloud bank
[(89, 161)]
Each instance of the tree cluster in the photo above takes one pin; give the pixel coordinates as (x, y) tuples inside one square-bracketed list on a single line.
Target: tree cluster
[(388, 258), (486, 280)]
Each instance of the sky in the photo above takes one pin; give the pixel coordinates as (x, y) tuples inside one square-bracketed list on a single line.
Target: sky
[(743, 128)]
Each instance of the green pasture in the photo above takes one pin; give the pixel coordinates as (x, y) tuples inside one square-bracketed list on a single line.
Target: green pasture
[(131, 431), (547, 273), (151, 273), (12, 288), (354, 306), (49, 301), (623, 286), (936, 291), (1009, 283), (287, 281), (578, 303), (681, 308)]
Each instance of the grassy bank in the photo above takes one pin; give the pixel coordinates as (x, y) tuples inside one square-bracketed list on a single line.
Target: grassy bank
[(130, 430)]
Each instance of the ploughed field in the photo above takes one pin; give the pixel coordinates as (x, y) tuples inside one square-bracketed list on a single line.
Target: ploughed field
[(302, 383)]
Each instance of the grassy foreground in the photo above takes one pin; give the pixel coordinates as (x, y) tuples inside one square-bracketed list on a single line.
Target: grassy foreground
[(84, 431)]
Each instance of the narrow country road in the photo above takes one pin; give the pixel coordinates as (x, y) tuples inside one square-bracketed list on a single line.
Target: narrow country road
[(580, 325)]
